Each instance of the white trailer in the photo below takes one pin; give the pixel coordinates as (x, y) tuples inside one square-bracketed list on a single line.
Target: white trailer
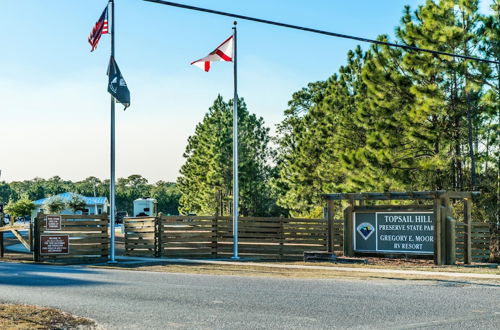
[(144, 207)]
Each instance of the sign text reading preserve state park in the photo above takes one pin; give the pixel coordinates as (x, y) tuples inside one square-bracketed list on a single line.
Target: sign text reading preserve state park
[(394, 232)]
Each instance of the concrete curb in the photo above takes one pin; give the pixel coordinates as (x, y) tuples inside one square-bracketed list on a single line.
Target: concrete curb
[(333, 268)]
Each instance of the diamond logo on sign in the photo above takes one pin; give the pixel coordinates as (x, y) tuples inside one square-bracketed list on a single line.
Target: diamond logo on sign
[(366, 230)]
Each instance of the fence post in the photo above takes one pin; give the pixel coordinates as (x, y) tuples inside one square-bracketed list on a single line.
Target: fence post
[(282, 238), (158, 242), (468, 231), (214, 235), (329, 219), (437, 232), (348, 235), (2, 248), (30, 235), (36, 240), (450, 240)]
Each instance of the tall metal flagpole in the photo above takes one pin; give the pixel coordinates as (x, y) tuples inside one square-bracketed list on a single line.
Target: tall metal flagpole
[(235, 151), (112, 178)]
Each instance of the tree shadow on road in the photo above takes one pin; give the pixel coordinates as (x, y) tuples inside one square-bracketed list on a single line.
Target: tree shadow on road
[(33, 275)]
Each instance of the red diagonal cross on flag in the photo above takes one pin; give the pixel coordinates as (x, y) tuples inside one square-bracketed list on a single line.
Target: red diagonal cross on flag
[(224, 52)]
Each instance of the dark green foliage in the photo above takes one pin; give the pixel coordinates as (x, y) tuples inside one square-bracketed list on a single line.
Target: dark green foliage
[(127, 190), (398, 120), (22, 207), (167, 195), (206, 176), (54, 205), (76, 203)]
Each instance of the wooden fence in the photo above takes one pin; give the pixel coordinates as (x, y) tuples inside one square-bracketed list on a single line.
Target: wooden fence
[(87, 237), (480, 241), (212, 237), (268, 238), (141, 238)]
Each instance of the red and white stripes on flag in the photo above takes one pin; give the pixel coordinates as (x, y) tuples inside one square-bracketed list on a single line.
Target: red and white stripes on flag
[(100, 28), (224, 52)]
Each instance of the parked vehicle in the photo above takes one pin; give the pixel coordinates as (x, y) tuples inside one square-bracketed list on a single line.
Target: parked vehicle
[(120, 215)]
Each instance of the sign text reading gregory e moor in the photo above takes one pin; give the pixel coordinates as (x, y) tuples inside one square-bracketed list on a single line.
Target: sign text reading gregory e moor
[(403, 232)]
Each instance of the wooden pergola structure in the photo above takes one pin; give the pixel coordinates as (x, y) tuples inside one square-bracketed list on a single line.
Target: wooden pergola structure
[(444, 229)]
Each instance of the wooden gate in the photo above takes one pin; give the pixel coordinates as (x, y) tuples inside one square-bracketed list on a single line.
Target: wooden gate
[(80, 237), (141, 236)]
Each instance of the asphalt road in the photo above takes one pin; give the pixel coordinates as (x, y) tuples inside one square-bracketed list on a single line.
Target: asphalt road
[(120, 299)]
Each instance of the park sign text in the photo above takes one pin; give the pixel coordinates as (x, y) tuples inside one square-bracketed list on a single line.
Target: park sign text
[(54, 244), (394, 232)]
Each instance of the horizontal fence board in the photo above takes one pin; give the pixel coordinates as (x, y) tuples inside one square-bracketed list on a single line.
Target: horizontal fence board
[(76, 234), (141, 230), (186, 251), (132, 220), (140, 225), (76, 216), (80, 229), (84, 223), (78, 240), (140, 235), (249, 240), (188, 234)]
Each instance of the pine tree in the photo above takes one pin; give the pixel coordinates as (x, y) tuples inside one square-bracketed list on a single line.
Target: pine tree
[(205, 183)]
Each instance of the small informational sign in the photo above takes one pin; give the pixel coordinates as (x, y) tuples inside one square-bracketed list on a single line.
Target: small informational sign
[(394, 232), (54, 244), (53, 222)]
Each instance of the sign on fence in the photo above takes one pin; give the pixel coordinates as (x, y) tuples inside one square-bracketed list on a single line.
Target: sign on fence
[(394, 232), (53, 222), (54, 244)]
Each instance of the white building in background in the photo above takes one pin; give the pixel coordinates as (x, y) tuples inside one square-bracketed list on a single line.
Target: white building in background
[(93, 205)]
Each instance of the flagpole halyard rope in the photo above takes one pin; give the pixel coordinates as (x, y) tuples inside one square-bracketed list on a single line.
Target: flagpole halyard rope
[(332, 34)]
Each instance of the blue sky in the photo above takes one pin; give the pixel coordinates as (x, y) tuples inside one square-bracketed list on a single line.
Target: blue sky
[(53, 99)]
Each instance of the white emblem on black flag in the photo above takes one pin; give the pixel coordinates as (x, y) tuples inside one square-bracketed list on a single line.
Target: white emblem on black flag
[(117, 86)]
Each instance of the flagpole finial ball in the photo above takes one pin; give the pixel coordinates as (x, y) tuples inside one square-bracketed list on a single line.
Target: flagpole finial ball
[(235, 22)]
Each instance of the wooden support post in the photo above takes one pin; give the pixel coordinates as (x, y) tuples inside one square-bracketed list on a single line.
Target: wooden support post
[(348, 230), (443, 234), (468, 231), (36, 240), (214, 234), (158, 228), (329, 219), (445, 212), (30, 235), (451, 247), (345, 239), (2, 247), (282, 239), (437, 232)]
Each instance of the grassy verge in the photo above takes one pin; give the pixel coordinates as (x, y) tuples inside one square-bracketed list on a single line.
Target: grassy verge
[(20, 317), (262, 271)]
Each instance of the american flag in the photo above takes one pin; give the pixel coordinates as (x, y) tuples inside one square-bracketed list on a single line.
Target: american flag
[(100, 28)]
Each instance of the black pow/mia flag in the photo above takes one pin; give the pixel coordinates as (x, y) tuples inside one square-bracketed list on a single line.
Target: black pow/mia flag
[(117, 86)]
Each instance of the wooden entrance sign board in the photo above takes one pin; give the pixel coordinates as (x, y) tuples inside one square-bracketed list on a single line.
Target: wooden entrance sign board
[(430, 230), (53, 222), (54, 244), (394, 232)]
